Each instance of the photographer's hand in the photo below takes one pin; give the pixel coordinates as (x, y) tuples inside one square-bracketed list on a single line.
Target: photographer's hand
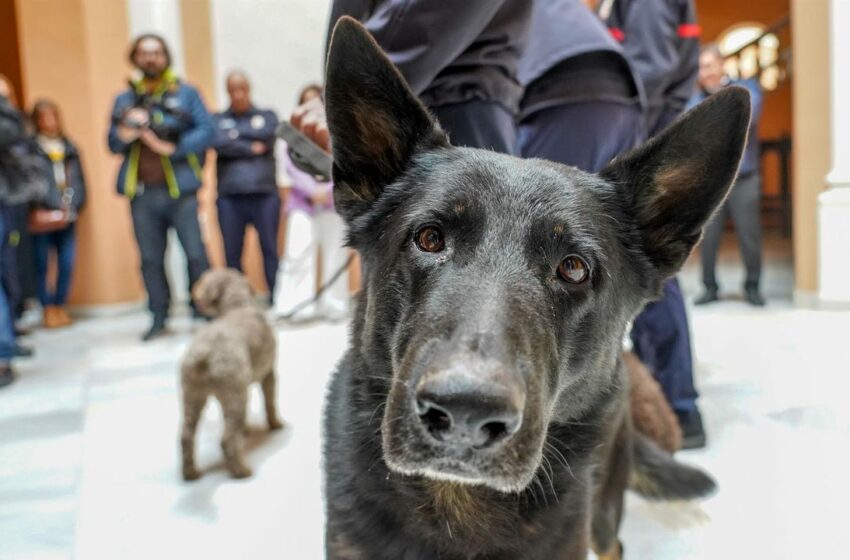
[(128, 134), (139, 119), (156, 144)]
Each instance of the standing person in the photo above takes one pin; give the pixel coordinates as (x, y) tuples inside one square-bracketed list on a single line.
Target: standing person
[(312, 227), (162, 129), (15, 242), (68, 194), (460, 58), (247, 187), (661, 41), (11, 134), (742, 205)]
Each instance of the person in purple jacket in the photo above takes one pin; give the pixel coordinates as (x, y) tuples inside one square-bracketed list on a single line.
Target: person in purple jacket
[(313, 229)]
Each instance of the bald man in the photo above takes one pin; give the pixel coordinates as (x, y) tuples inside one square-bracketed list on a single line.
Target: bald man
[(247, 188)]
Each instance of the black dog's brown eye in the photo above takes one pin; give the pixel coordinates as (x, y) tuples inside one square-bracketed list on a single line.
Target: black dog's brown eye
[(574, 270), (430, 239)]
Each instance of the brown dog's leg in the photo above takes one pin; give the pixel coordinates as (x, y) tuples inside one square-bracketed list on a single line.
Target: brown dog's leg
[(269, 382), (616, 554), (193, 406), (234, 399)]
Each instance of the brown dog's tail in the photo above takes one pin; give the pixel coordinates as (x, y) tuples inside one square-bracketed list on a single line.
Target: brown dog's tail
[(657, 475)]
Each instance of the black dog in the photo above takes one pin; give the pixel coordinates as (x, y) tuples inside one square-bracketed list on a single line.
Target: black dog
[(481, 411)]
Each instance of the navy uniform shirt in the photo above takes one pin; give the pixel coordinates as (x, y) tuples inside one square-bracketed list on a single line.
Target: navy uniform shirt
[(661, 40), (449, 51), (240, 170), (571, 57)]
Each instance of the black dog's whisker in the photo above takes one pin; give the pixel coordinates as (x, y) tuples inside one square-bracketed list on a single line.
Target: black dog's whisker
[(561, 459), (549, 475), (377, 408)]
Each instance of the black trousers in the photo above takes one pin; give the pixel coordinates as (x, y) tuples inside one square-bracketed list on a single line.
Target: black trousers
[(262, 211), (742, 206), (586, 134), (154, 213), (479, 124)]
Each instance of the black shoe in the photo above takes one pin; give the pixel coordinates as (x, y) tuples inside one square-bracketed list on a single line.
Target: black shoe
[(157, 330), (7, 375), (709, 296), (753, 297), (22, 351), (693, 434)]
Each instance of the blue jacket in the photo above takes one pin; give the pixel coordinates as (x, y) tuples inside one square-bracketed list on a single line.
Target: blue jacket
[(750, 161), (180, 110), (449, 51), (661, 40), (240, 171)]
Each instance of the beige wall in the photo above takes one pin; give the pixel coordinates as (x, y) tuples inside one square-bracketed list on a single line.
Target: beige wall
[(810, 21), (73, 52)]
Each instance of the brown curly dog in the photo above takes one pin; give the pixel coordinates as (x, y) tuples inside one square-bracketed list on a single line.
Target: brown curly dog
[(236, 349), (651, 414)]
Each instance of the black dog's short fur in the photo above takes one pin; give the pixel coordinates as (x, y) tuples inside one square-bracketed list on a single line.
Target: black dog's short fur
[(490, 300)]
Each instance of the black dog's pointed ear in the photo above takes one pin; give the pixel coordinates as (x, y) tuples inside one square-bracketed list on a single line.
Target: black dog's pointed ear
[(674, 183), (375, 121)]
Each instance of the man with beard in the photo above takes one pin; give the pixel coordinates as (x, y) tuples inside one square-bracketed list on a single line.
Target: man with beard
[(162, 129)]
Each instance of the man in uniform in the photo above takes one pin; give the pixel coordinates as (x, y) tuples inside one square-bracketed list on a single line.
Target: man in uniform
[(247, 186), (661, 40)]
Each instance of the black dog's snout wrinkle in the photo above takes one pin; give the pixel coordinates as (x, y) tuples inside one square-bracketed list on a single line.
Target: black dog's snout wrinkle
[(464, 412)]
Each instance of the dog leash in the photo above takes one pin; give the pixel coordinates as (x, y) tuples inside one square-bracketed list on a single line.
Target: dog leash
[(324, 287), (311, 159)]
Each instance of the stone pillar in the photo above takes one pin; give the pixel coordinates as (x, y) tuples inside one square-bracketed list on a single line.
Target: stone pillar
[(834, 203)]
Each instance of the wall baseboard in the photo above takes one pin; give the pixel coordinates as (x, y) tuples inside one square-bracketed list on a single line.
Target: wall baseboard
[(807, 299), (107, 310)]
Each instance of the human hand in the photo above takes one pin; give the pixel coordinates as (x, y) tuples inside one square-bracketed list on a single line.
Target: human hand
[(132, 123), (156, 144), (136, 117), (320, 198), (311, 120)]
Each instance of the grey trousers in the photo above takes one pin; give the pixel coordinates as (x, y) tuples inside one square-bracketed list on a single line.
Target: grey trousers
[(154, 213), (743, 207)]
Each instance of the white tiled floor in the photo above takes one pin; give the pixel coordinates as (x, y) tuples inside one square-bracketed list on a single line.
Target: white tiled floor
[(89, 468)]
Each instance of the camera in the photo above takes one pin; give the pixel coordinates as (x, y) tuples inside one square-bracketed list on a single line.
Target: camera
[(168, 123)]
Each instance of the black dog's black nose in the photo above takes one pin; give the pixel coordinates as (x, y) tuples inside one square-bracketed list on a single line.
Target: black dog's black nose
[(463, 413)]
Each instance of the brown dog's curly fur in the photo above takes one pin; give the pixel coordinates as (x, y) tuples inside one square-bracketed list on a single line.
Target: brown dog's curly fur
[(651, 413), (236, 349)]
